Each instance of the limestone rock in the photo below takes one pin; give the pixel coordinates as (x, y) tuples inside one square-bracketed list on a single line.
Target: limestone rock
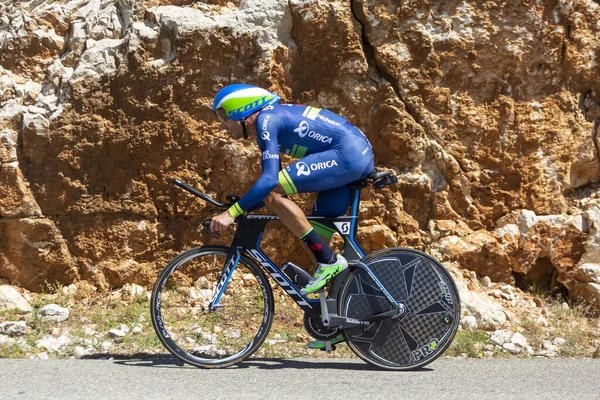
[(10, 299), (53, 313), (38, 244), (52, 344), (116, 333), (13, 328)]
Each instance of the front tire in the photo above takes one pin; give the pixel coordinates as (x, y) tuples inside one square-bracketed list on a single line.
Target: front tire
[(424, 287), (217, 338)]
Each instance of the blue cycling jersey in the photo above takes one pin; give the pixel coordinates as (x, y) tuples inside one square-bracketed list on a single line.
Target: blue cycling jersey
[(333, 152)]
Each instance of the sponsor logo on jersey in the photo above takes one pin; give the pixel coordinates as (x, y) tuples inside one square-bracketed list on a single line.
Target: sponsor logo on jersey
[(329, 121), (304, 169), (304, 129), (265, 136), (267, 108), (267, 155), (265, 124)]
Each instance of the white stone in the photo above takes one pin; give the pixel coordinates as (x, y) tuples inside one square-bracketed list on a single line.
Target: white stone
[(52, 344), (78, 37), (89, 331), (136, 329), (80, 352), (547, 345), (519, 340), (13, 328), (486, 282), (469, 322), (10, 299), (99, 60), (526, 219), (591, 271), (8, 146), (106, 345), (511, 348), (36, 124), (109, 25), (6, 340), (70, 290), (53, 312), (29, 90), (559, 341), (270, 22), (508, 229), (489, 314), (579, 222), (10, 110), (499, 337), (116, 333), (132, 292)]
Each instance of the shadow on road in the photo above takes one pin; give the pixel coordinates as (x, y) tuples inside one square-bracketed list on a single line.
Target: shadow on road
[(148, 360)]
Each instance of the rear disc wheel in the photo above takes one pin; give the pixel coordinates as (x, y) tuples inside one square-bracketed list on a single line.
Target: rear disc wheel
[(431, 314)]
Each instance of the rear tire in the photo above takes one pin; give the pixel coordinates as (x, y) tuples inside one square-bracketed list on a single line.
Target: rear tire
[(211, 339), (420, 283)]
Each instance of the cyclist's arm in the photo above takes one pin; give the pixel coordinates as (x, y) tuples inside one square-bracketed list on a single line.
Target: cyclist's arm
[(267, 141)]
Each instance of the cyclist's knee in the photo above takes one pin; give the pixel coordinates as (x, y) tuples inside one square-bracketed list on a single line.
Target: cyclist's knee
[(274, 197)]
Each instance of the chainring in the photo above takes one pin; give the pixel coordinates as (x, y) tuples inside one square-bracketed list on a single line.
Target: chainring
[(314, 326)]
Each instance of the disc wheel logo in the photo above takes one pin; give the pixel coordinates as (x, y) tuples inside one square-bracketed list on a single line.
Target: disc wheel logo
[(302, 169), (302, 129)]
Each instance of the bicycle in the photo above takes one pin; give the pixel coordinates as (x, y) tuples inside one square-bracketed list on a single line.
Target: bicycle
[(213, 306)]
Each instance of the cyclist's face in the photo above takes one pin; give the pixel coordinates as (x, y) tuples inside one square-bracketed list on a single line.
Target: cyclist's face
[(234, 127)]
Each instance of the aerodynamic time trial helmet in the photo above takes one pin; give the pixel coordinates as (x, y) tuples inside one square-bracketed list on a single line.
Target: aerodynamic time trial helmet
[(239, 101)]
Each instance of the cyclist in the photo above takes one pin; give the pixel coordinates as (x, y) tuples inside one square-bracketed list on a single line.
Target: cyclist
[(332, 153)]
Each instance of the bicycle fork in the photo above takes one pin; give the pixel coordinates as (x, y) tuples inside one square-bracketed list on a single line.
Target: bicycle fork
[(232, 259)]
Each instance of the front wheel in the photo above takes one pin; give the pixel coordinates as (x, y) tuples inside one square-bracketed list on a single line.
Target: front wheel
[(432, 309), (211, 338)]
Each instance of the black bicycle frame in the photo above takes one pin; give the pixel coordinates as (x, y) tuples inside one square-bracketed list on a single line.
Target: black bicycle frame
[(248, 236)]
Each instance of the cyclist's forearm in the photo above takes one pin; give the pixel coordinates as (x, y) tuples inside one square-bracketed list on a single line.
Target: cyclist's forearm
[(253, 198)]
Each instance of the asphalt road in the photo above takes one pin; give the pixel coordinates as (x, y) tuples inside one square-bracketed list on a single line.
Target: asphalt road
[(298, 379)]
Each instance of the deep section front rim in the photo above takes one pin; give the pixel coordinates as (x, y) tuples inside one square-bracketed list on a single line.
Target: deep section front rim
[(211, 338)]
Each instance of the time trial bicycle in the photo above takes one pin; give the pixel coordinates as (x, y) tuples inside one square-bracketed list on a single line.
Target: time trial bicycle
[(213, 306)]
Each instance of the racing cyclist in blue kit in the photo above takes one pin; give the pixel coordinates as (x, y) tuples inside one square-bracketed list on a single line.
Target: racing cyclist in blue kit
[(332, 153)]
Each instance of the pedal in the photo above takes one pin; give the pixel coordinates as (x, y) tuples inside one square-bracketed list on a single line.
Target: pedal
[(326, 345), (322, 345)]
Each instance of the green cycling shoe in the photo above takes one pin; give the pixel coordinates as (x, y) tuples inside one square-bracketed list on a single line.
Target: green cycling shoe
[(324, 274)]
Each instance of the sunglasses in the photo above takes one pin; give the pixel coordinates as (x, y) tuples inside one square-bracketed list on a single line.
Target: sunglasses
[(221, 114)]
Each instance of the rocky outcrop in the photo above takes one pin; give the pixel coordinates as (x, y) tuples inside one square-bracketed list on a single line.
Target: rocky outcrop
[(487, 111)]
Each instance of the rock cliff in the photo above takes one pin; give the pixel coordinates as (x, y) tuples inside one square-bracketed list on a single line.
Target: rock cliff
[(487, 111)]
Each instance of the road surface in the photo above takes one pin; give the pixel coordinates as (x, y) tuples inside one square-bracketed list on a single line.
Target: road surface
[(330, 378)]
